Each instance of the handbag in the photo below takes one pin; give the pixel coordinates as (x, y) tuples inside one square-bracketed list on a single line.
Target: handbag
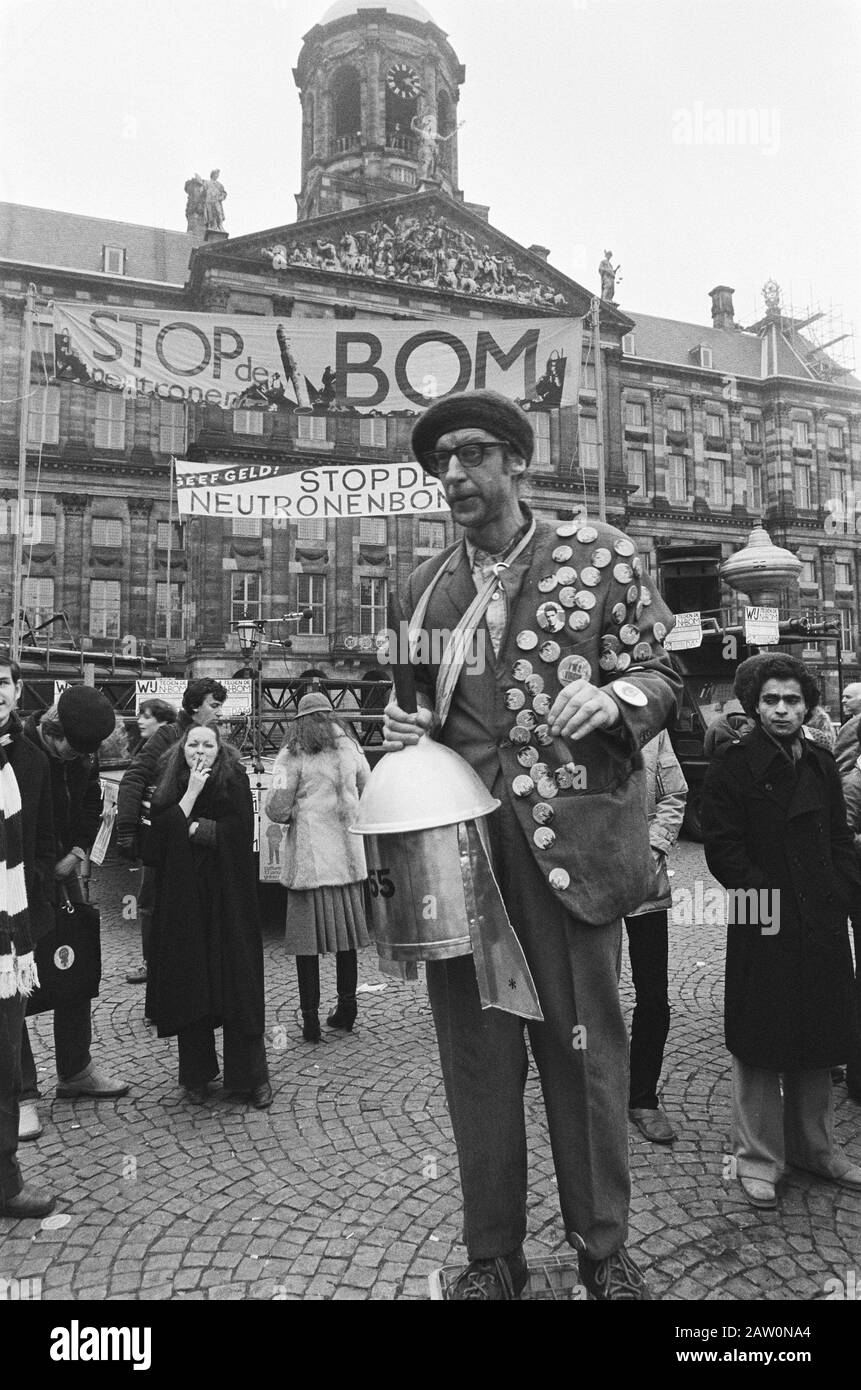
[(68, 958)]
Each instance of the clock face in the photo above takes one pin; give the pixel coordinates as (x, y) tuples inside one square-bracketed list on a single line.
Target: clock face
[(404, 81)]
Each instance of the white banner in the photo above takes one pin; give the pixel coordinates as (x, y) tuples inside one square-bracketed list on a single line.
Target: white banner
[(245, 360), (279, 492), (171, 691)]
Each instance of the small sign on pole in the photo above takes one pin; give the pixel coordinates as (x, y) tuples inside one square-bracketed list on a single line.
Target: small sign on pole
[(760, 627), (686, 634)]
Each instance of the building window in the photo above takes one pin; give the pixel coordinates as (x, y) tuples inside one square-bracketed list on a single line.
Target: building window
[(847, 629), (171, 428), (636, 465), (431, 535), (37, 600), (163, 531), (589, 457), (716, 482), (311, 529), (838, 485), (636, 415), (677, 483), (312, 427), (247, 526), (752, 431), (808, 572), (835, 437), (107, 532), (372, 430), (248, 422), (714, 426), (177, 610), (373, 597), (814, 617), (43, 420), (753, 487), (676, 419), (104, 608), (587, 382), (843, 574), (541, 429), (43, 531), (311, 593), (114, 260), (629, 346), (244, 596), (373, 531), (110, 420), (800, 434), (801, 484)]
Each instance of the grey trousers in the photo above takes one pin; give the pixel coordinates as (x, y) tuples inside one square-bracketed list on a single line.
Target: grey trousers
[(584, 1076), (770, 1131)]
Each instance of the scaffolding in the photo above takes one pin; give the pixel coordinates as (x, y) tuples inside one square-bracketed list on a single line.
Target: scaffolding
[(823, 340)]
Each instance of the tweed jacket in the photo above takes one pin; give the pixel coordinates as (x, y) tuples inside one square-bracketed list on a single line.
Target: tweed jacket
[(604, 623)]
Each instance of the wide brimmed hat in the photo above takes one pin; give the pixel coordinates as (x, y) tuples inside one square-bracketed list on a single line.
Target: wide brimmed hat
[(315, 703)]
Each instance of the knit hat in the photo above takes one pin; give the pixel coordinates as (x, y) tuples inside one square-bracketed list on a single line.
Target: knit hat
[(485, 410), (87, 717), (315, 703)]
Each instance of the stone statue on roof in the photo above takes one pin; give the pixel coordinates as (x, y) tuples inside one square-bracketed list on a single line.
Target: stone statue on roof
[(195, 193), (608, 273), (213, 206)]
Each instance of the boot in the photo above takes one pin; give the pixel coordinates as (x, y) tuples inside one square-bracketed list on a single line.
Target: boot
[(345, 1015), (346, 979), (311, 1027), (308, 972)]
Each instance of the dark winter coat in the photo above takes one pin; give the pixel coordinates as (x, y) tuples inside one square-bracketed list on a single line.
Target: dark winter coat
[(76, 795), (206, 959), (33, 775), (775, 826)]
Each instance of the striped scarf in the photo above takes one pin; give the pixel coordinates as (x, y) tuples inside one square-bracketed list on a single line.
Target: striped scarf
[(17, 966)]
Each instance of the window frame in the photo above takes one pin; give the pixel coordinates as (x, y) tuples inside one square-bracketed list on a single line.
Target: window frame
[(107, 522), (251, 607), (103, 609), (110, 420), (315, 626), (376, 608)]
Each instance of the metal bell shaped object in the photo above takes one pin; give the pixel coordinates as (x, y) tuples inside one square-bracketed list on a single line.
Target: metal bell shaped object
[(420, 788)]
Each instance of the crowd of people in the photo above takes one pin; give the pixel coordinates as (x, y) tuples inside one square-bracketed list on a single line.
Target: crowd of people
[(565, 723)]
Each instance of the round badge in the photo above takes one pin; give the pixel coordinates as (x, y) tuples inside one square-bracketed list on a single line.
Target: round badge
[(523, 786), (542, 813), (561, 554), (514, 699), (573, 668), (623, 661), (544, 837), (632, 594), (521, 670), (590, 577), (578, 621), (547, 584), (567, 596), (566, 575), (526, 719), (543, 735), (518, 734), (608, 661), (623, 546), (539, 772), (550, 651), (645, 596), (550, 618), (568, 528), (587, 535), (660, 631), (584, 598), (619, 612), (601, 557), (541, 704), (642, 652), (564, 777), (547, 788), (623, 573), (610, 644), (631, 694), (527, 757), (629, 634), (535, 684), (64, 957), (559, 879), (527, 641)]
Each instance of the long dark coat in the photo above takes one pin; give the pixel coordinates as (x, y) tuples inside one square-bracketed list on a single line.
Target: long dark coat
[(772, 825), (33, 775), (206, 960)]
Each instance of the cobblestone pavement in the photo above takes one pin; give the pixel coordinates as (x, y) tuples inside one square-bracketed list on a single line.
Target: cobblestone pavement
[(347, 1188)]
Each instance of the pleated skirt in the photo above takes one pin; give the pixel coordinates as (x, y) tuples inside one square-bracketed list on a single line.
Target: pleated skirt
[(322, 920)]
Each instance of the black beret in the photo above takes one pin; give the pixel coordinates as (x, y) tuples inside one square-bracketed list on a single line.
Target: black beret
[(87, 717), (485, 410)]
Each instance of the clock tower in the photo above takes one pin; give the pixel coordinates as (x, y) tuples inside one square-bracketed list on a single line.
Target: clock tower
[(379, 87)]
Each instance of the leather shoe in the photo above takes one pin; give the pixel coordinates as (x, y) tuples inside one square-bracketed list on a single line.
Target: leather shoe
[(653, 1124), (30, 1201), (197, 1095), (849, 1177), (29, 1126), (615, 1279), (91, 1082), (261, 1096), (759, 1192), (498, 1280)]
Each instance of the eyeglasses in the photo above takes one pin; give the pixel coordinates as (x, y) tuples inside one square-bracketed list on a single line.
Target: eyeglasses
[(470, 455)]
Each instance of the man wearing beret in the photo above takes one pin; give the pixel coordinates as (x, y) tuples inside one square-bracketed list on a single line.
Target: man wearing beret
[(573, 683), (70, 733)]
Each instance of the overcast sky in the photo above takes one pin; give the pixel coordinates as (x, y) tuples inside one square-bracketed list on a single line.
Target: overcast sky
[(587, 124)]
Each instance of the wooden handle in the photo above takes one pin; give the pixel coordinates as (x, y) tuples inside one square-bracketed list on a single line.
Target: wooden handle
[(403, 674)]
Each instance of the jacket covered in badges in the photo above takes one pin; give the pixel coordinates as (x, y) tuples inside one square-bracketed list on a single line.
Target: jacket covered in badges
[(577, 606)]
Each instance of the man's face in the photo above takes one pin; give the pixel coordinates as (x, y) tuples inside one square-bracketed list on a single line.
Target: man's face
[(60, 748), (852, 700), (10, 694), (479, 496), (209, 712), (781, 708)]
